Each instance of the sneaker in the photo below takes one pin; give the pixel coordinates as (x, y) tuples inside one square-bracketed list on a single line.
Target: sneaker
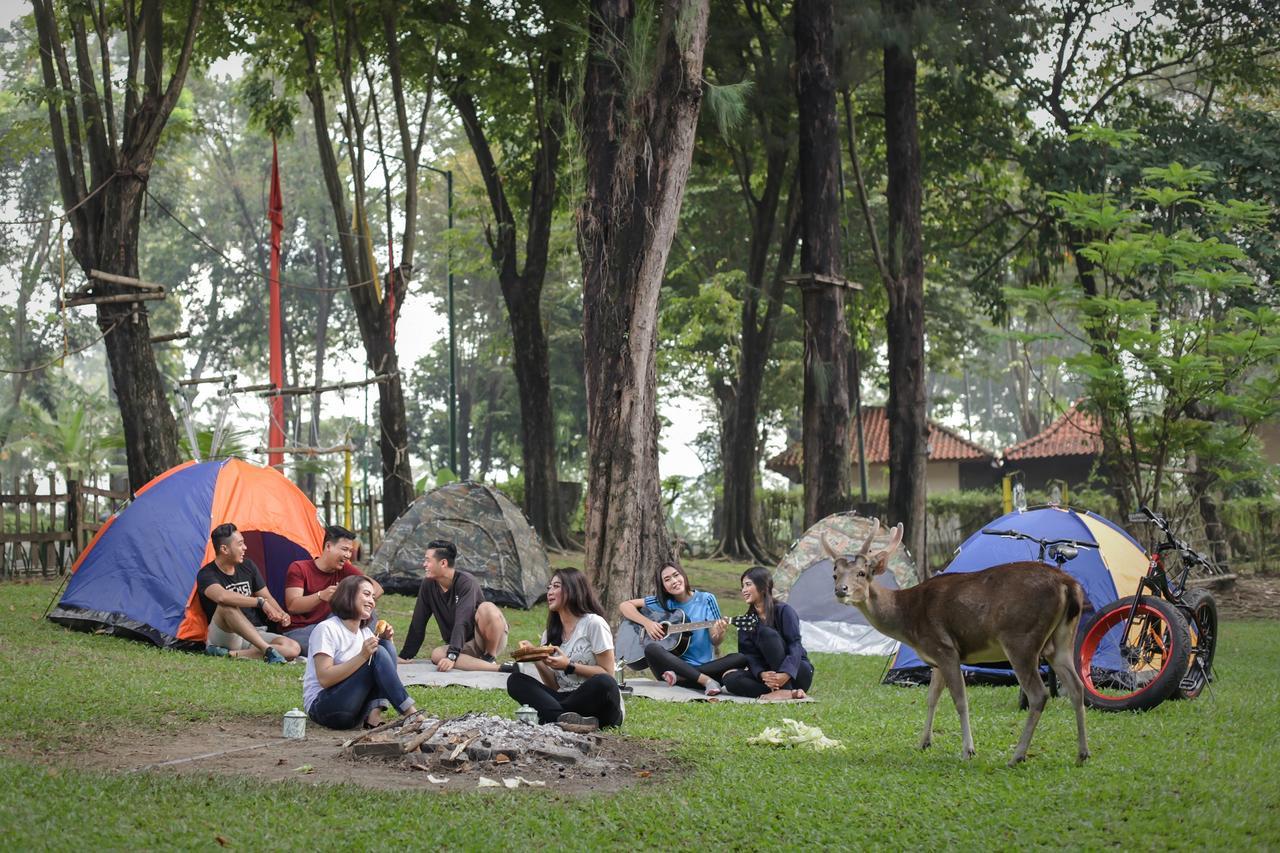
[(573, 722), (217, 651), (273, 656)]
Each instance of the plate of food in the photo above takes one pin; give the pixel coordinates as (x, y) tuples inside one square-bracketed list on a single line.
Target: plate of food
[(530, 654)]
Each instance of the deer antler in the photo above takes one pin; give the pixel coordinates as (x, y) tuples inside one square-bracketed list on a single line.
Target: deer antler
[(826, 546), (875, 528)]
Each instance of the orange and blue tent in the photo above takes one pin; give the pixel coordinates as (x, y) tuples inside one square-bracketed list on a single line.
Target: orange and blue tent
[(1109, 570), (137, 576)]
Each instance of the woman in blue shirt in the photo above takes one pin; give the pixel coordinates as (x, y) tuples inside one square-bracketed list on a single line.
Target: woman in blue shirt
[(777, 666), (695, 668)]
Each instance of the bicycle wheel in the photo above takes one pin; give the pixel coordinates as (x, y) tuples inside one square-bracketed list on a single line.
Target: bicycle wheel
[(1137, 669), (1203, 623)]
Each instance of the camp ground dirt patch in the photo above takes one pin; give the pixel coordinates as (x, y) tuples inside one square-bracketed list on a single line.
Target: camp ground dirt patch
[(252, 748)]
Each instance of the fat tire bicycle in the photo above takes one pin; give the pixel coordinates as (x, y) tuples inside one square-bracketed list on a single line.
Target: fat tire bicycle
[(1161, 644)]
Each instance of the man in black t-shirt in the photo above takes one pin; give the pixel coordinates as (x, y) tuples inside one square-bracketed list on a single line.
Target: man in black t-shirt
[(474, 630), (238, 604)]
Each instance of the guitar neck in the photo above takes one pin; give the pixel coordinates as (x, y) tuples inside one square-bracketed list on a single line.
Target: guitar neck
[(689, 626)]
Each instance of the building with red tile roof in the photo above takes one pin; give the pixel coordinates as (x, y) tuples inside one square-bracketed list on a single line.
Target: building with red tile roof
[(955, 462), (1066, 450)]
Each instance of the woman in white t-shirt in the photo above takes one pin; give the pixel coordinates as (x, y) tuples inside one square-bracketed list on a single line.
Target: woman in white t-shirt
[(351, 674), (575, 685)]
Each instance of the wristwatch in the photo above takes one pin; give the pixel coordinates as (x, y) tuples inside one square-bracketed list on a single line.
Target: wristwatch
[(570, 668), (453, 656), (262, 602)]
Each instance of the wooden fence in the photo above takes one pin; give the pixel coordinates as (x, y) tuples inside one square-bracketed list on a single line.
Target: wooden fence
[(366, 507), (42, 534)]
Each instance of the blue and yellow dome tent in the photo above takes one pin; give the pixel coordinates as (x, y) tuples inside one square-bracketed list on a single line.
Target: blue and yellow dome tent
[(1109, 571), (137, 576)]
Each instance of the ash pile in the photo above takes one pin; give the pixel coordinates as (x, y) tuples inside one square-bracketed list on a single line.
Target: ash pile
[(486, 744)]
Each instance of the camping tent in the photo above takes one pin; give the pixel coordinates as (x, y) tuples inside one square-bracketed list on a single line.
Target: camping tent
[(494, 539), (137, 576), (803, 579), (1106, 572)]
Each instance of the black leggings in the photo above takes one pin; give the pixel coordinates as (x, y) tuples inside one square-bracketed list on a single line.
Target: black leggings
[(661, 660), (598, 697), (742, 683)]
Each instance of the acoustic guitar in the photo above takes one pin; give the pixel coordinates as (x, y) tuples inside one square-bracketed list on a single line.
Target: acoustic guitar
[(632, 638)]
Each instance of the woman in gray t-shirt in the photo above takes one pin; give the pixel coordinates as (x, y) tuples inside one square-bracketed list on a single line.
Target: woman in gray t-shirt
[(575, 686)]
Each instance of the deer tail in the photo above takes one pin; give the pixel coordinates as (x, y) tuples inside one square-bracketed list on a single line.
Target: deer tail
[(1075, 600)]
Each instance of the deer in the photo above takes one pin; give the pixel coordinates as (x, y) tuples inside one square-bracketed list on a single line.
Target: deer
[(1019, 612)]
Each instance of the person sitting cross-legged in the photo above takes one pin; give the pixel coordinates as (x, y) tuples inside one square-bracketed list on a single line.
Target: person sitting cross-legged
[(474, 630), (695, 668), (310, 584), (351, 674), (238, 605), (575, 685)]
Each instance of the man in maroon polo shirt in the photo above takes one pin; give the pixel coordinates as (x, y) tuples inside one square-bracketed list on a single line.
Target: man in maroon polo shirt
[(309, 584)]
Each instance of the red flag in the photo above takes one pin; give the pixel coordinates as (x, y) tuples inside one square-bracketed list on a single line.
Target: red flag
[(275, 212)]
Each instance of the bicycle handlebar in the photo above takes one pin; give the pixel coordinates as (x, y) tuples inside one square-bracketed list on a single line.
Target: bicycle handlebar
[(1018, 534), (1171, 541)]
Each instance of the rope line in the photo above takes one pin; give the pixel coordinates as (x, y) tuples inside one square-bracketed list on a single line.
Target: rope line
[(66, 213), (58, 358), (244, 267)]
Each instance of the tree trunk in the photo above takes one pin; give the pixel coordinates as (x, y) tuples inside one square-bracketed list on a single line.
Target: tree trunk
[(904, 323), (102, 177), (740, 404), (522, 291), (825, 440), (375, 316), (638, 146)]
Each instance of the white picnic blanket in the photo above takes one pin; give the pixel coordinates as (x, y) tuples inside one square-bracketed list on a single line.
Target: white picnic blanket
[(425, 674)]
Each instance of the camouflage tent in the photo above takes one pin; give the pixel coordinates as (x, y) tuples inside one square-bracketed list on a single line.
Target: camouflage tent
[(494, 539), (803, 579)]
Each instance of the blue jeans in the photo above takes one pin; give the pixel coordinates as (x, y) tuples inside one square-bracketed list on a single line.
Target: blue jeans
[(374, 685)]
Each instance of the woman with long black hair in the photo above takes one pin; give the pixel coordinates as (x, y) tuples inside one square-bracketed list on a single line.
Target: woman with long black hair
[(695, 668), (777, 665), (575, 686)]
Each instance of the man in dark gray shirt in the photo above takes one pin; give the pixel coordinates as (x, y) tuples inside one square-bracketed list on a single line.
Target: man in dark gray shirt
[(474, 630)]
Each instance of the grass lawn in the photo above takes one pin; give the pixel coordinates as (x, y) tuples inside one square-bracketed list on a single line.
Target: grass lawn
[(1198, 774)]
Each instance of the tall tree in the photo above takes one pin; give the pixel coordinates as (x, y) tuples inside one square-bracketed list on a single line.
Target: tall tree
[(904, 283), (490, 89), (825, 440), (376, 310), (639, 118), (104, 161)]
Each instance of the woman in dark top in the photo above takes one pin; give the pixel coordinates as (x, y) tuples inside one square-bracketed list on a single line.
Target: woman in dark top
[(777, 665)]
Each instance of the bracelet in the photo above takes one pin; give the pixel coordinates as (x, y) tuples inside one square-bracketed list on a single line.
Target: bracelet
[(570, 668)]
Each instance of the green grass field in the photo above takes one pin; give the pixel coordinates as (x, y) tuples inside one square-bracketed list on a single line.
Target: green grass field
[(1199, 774)]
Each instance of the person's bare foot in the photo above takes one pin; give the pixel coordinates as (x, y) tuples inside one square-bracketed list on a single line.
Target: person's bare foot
[(782, 695)]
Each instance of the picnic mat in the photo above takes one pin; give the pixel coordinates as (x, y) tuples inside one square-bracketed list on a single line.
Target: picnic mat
[(425, 674)]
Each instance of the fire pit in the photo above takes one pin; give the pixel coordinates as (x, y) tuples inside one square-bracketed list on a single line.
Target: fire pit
[(480, 743)]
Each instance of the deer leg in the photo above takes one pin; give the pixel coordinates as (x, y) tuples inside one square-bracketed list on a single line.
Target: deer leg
[(935, 690), (1061, 661), (1028, 672), (955, 683)]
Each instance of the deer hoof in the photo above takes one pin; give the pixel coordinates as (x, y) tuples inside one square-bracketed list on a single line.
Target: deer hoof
[(1016, 760), (966, 754), (1082, 758), (925, 743)]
